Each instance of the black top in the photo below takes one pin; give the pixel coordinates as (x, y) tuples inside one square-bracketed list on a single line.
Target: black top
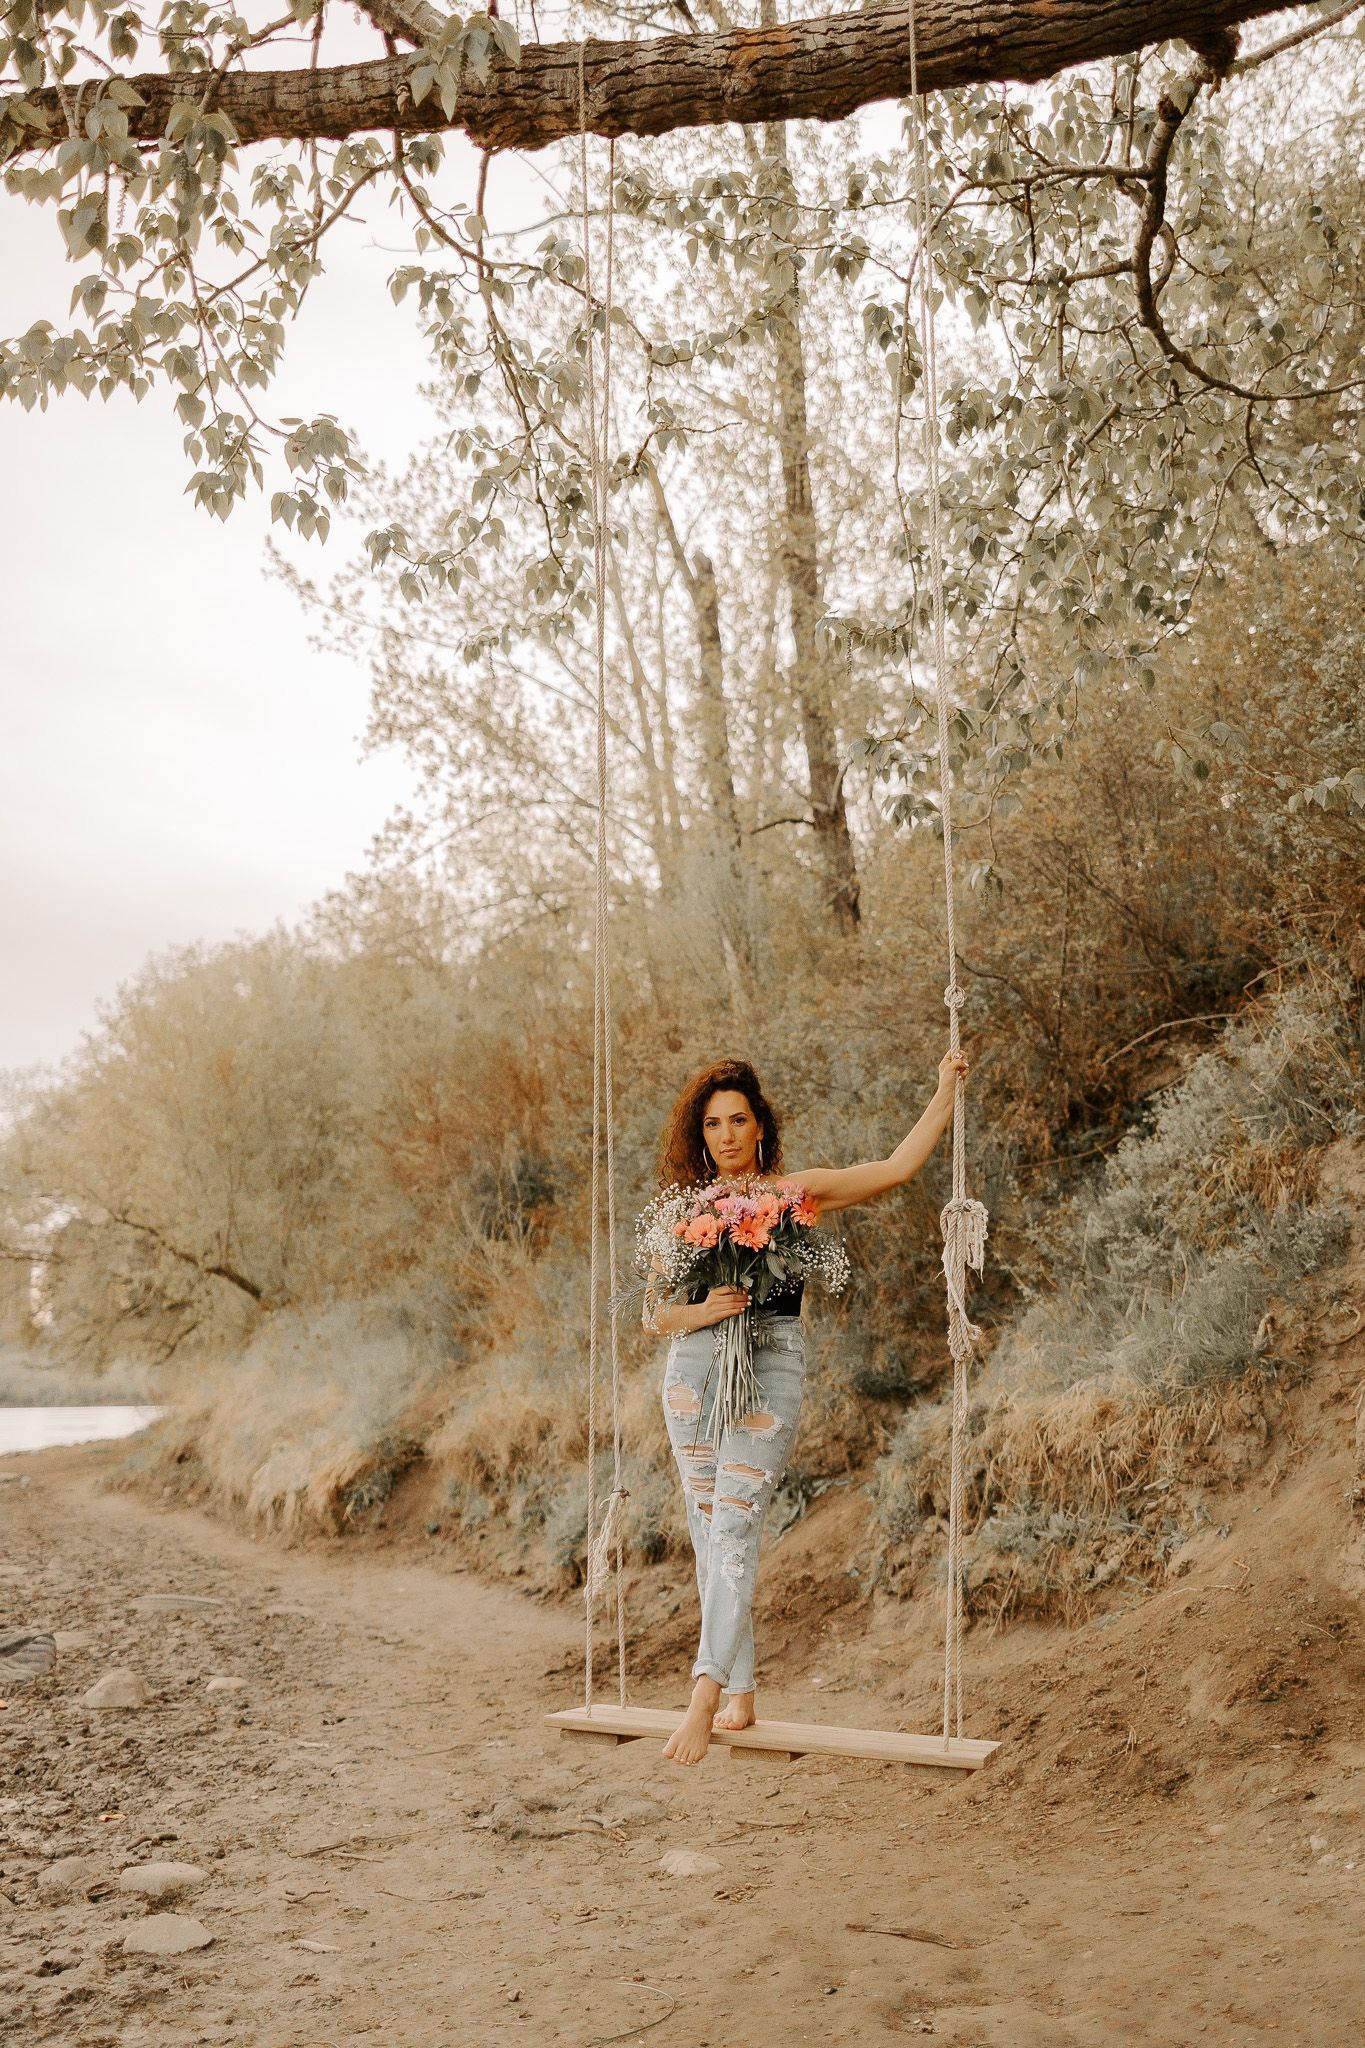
[(784, 1300)]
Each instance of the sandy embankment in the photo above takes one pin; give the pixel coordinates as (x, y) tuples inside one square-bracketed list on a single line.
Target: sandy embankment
[(395, 1850)]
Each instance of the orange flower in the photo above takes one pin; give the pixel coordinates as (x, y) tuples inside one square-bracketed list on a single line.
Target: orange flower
[(751, 1232)]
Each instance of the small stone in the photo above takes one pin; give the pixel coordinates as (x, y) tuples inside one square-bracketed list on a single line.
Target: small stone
[(161, 1880), (166, 1934), (285, 1613), (72, 1638), (68, 1875), (167, 1603), (319, 1948), (687, 1863), (1317, 1843), (226, 1684), (118, 1687)]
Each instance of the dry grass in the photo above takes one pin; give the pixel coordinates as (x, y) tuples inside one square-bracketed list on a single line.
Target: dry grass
[(1065, 1492), (307, 1430)]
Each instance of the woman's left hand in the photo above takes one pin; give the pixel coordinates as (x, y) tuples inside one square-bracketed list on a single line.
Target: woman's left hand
[(949, 1067)]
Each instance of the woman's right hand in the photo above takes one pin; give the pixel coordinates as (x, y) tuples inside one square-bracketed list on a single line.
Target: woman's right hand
[(720, 1303)]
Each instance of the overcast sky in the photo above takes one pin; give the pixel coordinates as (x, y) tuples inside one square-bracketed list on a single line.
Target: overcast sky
[(178, 763)]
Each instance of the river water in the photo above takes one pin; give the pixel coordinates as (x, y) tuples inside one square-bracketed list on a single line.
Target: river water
[(33, 1429)]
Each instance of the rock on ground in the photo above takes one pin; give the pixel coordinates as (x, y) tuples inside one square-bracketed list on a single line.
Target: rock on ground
[(118, 1687), (687, 1863), (166, 1934), (25, 1653), (161, 1880), (69, 1876)]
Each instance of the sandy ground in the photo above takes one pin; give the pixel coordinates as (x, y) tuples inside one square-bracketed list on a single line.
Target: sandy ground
[(1167, 1849)]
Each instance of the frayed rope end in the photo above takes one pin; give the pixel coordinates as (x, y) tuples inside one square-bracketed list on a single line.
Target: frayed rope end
[(599, 1556)]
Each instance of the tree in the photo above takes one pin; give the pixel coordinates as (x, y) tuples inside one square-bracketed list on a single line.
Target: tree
[(1155, 300)]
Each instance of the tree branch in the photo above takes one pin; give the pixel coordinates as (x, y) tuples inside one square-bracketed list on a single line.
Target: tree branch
[(216, 1270), (1292, 41), (1171, 112), (407, 21), (823, 69)]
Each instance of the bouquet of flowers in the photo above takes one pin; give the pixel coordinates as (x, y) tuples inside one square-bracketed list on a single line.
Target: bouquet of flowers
[(751, 1234)]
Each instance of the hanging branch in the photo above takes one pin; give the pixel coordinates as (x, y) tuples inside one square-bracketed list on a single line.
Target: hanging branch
[(823, 69)]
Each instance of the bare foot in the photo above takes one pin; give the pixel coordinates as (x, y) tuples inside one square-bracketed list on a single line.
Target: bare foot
[(738, 1712), (687, 1744)]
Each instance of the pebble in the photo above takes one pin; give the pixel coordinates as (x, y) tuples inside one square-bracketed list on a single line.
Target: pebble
[(687, 1863), (117, 1687), (69, 1874), (72, 1638), (166, 1934), (161, 1880), (222, 1684), (166, 1603)]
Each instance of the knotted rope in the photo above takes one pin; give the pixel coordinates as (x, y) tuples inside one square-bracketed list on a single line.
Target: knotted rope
[(604, 1540), (962, 1220)]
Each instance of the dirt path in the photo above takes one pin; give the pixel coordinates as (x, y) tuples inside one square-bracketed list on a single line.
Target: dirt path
[(398, 1852)]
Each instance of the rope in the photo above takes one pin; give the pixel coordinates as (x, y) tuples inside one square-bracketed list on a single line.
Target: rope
[(962, 1221), (603, 1539)]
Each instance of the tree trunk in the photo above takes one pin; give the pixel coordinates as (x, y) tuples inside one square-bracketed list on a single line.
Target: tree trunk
[(662, 834), (823, 69), (736, 911), (801, 565)]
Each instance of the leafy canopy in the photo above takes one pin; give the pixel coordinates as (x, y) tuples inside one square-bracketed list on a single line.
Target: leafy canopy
[(1153, 295)]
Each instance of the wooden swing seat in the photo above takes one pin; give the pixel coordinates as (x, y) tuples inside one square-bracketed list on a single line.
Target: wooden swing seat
[(781, 1738)]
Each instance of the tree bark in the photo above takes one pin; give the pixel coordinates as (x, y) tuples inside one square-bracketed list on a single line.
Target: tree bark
[(822, 69)]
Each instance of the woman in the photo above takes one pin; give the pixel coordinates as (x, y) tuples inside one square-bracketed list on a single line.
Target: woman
[(723, 1128)]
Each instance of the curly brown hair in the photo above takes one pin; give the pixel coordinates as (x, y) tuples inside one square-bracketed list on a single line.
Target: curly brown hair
[(683, 1158)]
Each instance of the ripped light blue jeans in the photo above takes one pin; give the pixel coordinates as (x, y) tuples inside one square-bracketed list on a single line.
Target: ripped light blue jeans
[(727, 1486)]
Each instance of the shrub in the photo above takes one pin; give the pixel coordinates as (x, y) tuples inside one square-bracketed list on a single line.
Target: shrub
[(1147, 1358)]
